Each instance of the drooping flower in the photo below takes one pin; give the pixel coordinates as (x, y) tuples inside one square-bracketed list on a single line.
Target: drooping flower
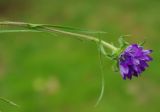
[(133, 61)]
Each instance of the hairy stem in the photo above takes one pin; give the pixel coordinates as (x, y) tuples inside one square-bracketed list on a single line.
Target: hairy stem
[(50, 28)]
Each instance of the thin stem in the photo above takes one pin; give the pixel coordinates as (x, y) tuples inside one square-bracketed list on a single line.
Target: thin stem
[(40, 27)]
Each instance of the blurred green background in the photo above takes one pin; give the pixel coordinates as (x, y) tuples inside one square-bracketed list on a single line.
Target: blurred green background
[(47, 73)]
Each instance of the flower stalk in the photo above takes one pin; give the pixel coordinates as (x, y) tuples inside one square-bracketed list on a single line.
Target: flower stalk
[(50, 28), (131, 60)]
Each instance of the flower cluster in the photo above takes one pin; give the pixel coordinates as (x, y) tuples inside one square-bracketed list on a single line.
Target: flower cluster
[(133, 61)]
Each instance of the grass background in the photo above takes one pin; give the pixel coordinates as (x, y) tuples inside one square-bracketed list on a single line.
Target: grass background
[(48, 73)]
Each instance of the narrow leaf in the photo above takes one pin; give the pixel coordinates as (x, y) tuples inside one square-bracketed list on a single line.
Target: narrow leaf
[(72, 29), (99, 46), (142, 43), (9, 102)]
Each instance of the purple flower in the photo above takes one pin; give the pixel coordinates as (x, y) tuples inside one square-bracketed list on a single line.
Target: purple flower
[(133, 61)]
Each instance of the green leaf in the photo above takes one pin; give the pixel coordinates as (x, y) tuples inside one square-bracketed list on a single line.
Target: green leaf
[(122, 42), (115, 66), (9, 102), (72, 29), (102, 50), (142, 43), (102, 73)]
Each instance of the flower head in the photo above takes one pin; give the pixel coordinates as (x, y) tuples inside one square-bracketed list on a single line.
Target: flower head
[(133, 61)]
